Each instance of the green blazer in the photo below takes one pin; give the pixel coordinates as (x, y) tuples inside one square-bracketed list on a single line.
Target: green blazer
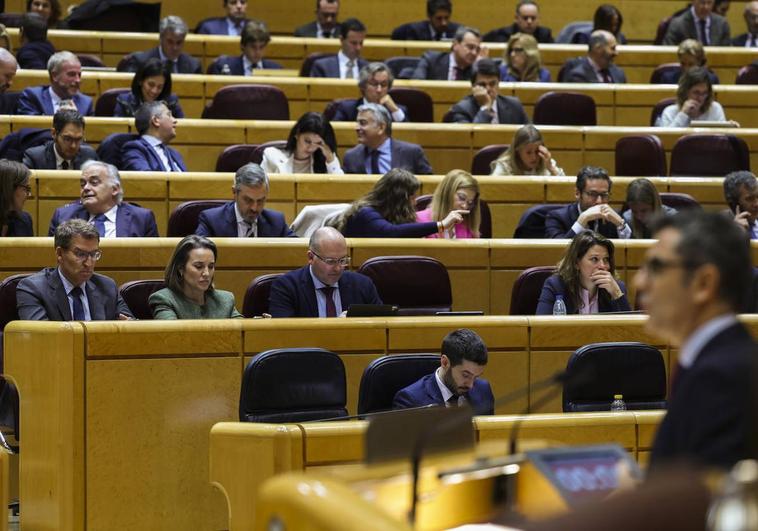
[(167, 304)]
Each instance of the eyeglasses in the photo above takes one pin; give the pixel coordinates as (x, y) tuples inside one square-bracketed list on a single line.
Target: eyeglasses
[(83, 255), (605, 196), (463, 198), (377, 84), (516, 50), (656, 266), (67, 139), (342, 262), (26, 187)]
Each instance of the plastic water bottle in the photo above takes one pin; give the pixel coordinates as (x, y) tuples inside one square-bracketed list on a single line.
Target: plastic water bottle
[(559, 307), (618, 403)]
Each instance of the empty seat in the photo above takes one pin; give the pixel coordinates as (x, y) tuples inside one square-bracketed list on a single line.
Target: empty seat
[(748, 75), (387, 375), (106, 103), (709, 155), (640, 156), (660, 31), (255, 303), (248, 102), (109, 149), (91, 61), (663, 70), (136, 293), (532, 222), (658, 109), (565, 108), (480, 164), (234, 157), (679, 201), (183, 220), (305, 68), (331, 108), (419, 103), (293, 385), (402, 67), (526, 290)]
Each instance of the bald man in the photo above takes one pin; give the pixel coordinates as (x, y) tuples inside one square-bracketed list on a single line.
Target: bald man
[(8, 67), (597, 66)]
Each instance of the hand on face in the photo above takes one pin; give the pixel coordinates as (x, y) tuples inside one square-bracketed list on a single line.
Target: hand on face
[(481, 96), (388, 102), (453, 218), (742, 218), (691, 108)]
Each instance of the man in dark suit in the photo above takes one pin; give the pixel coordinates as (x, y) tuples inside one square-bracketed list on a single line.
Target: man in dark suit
[(245, 217), (457, 381), (150, 152), (72, 291), (454, 65), (699, 22), (253, 41), (102, 205), (8, 67), (232, 24), (526, 21), (173, 31), (597, 66), (692, 284), (437, 27), (325, 26), (35, 50), (741, 194), (65, 74), (484, 105), (375, 82), (591, 210), (750, 38), (377, 152), (347, 63), (66, 151), (323, 288)]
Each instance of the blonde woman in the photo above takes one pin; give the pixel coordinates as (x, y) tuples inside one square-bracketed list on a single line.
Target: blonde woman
[(691, 54), (457, 191), (527, 155), (521, 60)]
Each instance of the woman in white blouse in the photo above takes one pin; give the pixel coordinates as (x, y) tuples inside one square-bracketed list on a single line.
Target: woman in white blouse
[(694, 101), (311, 148)]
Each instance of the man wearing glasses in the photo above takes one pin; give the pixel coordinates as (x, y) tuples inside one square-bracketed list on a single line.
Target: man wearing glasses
[(591, 210), (72, 291), (323, 288), (375, 81), (454, 65), (67, 150)]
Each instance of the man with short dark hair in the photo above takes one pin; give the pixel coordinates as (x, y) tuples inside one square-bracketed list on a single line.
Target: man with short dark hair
[(173, 31), (484, 105), (456, 64), (597, 66), (699, 22), (35, 50), (324, 287), (253, 41), (231, 24), (347, 63), (591, 210), (150, 152), (245, 216), (437, 27), (457, 380), (65, 73), (72, 291), (325, 26), (375, 82), (67, 150), (692, 283), (526, 20), (749, 39), (741, 194)]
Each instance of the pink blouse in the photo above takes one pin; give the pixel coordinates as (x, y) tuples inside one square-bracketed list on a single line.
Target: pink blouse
[(461, 229)]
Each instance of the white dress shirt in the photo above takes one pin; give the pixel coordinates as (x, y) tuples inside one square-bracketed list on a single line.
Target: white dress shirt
[(446, 393), (245, 229), (343, 59), (321, 297), (110, 222), (155, 143), (68, 286)]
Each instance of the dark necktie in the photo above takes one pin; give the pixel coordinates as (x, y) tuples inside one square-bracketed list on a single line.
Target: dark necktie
[(64, 165), (606, 76), (703, 32), (171, 166), (437, 36), (452, 401), (325, 34), (331, 309), (752, 41), (100, 224), (457, 73), (76, 294), (375, 162), (250, 230)]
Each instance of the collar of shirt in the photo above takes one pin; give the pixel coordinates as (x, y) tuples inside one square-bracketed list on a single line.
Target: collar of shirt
[(152, 140), (446, 393), (589, 304), (54, 98), (159, 151), (318, 284), (163, 56), (320, 30), (59, 160), (343, 59), (241, 222), (110, 215), (700, 337), (232, 28), (597, 69), (68, 286), (247, 66)]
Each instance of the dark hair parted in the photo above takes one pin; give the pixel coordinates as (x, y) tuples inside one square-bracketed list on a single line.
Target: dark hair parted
[(591, 172), (173, 276), (33, 27), (150, 68), (643, 191), (432, 6), (603, 19), (690, 78), (66, 231), (484, 67), (568, 267), (12, 175), (351, 24), (144, 115), (464, 344), (55, 11), (313, 122), (64, 117), (255, 31)]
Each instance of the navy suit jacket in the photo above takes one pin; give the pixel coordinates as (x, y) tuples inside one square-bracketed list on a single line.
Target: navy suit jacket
[(294, 294), (435, 65), (426, 391), (555, 286), (559, 221), (509, 111), (36, 101), (20, 225), (131, 221), (672, 76), (215, 26), (185, 64), (42, 297), (34, 55), (138, 155), (710, 414), (422, 31), (405, 155), (369, 223), (581, 71), (222, 222), (542, 34), (127, 105), (311, 29), (740, 40), (236, 65), (347, 110), (330, 67), (43, 157)]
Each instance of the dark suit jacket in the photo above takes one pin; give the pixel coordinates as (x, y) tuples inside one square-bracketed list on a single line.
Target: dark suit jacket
[(740, 40), (37, 101), (34, 55), (710, 408), (583, 37), (368, 223), (330, 67), (555, 286), (214, 26), (42, 297), (404, 155), (426, 391), (236, 65), (310, 30), (347, 110), (582, 72), (558, 223), (221, 222), (294, 294), (683, 27), (9, 102), (672, 76), (20, 225), (422, 31), (127, 105), (435, 65), (138, 155), (186, 64), (509, 111), (43, 157), (131, 221), (542, 34)]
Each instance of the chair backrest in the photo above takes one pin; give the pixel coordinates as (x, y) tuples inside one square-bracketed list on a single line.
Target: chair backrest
[(293, 385), (109, 149), (567, 66), (106, 103), (90, 60), (331, 108), (419, 103), (660, 70), (709, 155), (255, 303), (658, 109), (183, 220), (135, 294), (532, 222), (480, 164), (640, 156), (257, 155), (14, 144), (11, 20), (387, 375), (748, 75), (402, 64), (116, 16), (566, 35), (660, 32), (248, 102), (679, 201), (565, 108), (525, 292), (601, 370), (305, 68), (423, 202), (8, 311), (234, 157), (417, 285)]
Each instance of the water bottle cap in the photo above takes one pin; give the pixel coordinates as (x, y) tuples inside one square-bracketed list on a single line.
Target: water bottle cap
[(618, 397)]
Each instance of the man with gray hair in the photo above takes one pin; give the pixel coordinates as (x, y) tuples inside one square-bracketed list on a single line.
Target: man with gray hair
[(741, 194), (597, 66), (245, 216), (173, 31), (456, 64), (8, 67), (102, 205), (377, 152), (150, 152), (375, 81), (65, 74)]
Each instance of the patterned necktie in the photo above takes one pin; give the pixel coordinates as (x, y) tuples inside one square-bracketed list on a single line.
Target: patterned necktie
[(331, 309), (76, 295), (349, 69), (99, 223)]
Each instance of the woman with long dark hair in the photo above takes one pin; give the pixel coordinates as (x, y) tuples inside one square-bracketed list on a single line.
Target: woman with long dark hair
[(311, 148), (14, 191), (151, 82)]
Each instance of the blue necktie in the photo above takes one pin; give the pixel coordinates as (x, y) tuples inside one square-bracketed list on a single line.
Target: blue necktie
[(166, 152), (375, 162), (76, 294), (100, 224)]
